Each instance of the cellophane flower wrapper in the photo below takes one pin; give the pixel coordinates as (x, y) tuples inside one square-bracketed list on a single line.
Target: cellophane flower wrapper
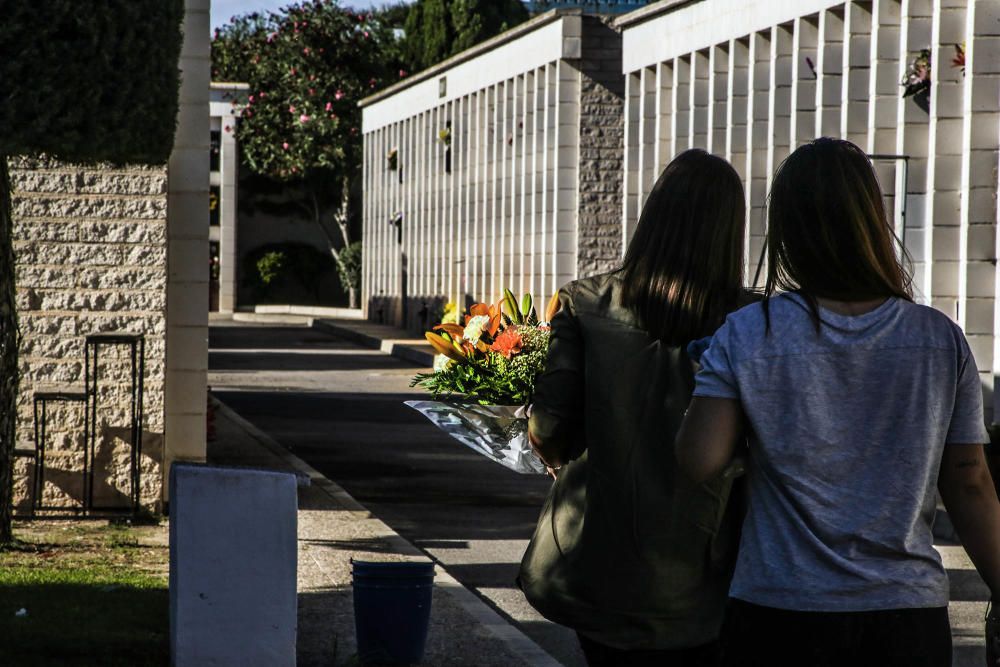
[(498, 432)]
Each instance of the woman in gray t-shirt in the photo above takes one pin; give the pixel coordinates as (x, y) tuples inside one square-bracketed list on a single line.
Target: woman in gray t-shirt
[(855, 404)]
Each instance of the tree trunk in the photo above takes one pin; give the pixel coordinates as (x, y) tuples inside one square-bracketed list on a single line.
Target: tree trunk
[(352, 297), (8, 357)]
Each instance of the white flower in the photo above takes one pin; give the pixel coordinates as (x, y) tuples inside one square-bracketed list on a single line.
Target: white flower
[(474, 329), (440, 362)]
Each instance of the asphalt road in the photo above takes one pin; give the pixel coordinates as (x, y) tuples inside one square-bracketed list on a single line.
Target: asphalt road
[(340, 408)]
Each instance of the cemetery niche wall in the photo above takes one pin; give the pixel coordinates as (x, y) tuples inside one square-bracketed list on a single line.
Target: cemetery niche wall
[(498, 168), (750, 80)]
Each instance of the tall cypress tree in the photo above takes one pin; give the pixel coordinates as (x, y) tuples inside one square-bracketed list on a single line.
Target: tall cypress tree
[(477, 20), (438, 29)]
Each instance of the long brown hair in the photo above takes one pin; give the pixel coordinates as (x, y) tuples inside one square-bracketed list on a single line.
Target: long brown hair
[(683, 271), (828, 234)]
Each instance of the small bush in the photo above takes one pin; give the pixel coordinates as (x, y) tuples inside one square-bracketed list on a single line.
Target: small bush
[(290, 273), (271, 266)]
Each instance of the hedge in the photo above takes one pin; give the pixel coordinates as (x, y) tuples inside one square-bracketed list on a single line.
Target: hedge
[(90, 80)]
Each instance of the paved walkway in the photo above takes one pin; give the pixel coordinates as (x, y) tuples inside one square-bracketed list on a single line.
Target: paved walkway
[(333, 529)]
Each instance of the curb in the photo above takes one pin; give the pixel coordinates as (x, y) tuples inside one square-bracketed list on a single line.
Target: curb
[(515, 640), (390, 346)]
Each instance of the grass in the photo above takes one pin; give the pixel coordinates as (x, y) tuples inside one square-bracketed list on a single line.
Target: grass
[(94, 594)]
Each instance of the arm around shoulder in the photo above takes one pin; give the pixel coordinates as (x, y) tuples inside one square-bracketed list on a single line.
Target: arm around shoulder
[(707, 439)]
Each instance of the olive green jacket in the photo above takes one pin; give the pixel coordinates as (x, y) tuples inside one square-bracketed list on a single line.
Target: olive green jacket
[(626, 551)]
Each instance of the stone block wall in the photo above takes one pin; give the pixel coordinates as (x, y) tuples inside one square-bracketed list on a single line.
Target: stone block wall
[(602, 140), (91, 249)]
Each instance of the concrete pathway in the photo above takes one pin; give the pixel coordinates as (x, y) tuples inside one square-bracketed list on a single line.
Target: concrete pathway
[(334, 529), (340, 407)]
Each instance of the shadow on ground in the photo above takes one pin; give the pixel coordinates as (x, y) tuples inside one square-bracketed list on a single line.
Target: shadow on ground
[(79, 624)]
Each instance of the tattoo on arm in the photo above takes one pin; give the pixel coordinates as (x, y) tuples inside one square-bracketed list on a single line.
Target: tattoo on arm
[(967, 463)]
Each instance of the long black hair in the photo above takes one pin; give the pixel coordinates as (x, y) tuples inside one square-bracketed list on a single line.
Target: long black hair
[(828, 234), (683, 270)]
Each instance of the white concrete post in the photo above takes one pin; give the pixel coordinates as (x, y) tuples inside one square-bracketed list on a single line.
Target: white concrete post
[(233, 558), (977, 240), (855, 84), (805, 34), (829, 71), (186, 389)]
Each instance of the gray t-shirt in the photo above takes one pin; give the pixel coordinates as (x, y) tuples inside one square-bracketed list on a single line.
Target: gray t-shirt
[(848, 428)]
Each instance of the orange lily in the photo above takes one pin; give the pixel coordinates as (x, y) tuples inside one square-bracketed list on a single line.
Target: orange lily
[(494, 312), (553, 307), (453, 330), (444, 346)]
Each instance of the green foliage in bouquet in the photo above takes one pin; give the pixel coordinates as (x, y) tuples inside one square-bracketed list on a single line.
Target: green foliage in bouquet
[(493, 359)]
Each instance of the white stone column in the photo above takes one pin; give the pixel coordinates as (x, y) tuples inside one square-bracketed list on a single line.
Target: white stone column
[(759, 132), (228, 173), (718, 106), (680, 130), (647, 136), (567, 172), (779, 101), (664, 147), (699, 99), (829, 71), (187, 252), (944, 172), (802, 124), (633, 151), (884, 89), (736, 113), (855, 84), (911, 139), (977, 239)]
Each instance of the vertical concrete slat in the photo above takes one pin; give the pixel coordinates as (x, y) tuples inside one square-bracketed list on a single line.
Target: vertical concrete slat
[(829, 72), (912, 140), (736, 114), (941, 245), (681, 130), (802, 125), (633, 152), (537, 289), (718, 98), (857, 69), (779, 99), (524, 259), (758, 140), (664, 112), (977, 237), (366, 169), (700, 99), (884, 89)]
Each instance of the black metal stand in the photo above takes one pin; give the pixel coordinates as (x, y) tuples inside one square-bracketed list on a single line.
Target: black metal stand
[(42, 397), (137, 347), (26, 450)]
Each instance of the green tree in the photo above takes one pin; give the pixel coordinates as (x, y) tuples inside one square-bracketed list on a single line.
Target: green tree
[(308, 66), (438, 29), (477, 20), (85, 81)]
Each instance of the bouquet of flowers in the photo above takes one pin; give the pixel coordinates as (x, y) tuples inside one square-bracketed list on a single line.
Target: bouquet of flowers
[(484, 376), (917, 80)]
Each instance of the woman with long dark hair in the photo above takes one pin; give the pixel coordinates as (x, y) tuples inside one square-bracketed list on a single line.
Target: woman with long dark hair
[(858, 404), (634, 561)]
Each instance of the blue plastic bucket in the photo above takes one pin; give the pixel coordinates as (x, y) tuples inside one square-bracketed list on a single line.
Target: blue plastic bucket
[(392, 608)]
